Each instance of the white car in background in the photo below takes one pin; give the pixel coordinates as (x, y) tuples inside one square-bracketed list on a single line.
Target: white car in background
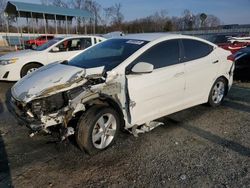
[(126, 82), (16, 65)]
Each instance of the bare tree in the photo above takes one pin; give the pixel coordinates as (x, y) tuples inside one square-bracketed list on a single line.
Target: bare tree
[(115, 15), (57, 3), (90, 5), (158, 22), (95, 9), (188, 19), (212, 21), (60, 3), (44, 2)]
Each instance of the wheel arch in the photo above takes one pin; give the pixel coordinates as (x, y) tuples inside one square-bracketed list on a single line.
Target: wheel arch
[(227, 82), (28, 63), (33, 62), (105, 100)]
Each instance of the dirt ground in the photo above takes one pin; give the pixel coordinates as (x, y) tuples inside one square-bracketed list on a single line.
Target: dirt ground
[(198, 147)]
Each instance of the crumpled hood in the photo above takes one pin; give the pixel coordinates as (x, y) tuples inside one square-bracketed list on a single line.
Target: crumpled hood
[(18, 54), (50, 79)]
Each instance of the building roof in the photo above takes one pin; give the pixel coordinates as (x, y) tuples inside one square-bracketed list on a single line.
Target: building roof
[(37, 10)]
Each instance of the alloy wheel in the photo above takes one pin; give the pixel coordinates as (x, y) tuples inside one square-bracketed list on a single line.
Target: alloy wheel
[(218, 92), (104, 131)]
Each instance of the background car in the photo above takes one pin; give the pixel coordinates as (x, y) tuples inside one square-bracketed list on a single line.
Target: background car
[(242, 64), (33, 43), (125, 82), (229, 42), (16, 65)]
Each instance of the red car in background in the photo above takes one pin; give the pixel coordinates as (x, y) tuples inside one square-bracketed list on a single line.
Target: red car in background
[(231, 43), (234, 46), (33, 43)]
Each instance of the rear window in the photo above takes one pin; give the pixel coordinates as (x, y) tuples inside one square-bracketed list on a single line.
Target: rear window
[(194, 49)]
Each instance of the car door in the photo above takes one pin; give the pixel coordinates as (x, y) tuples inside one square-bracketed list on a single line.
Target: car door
[(67, 49), (201, 68), (153, 95)]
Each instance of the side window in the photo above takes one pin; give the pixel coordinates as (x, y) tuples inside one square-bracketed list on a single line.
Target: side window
[(69, 45), (62, 46), (194, 49), (161, 55), (85, 43), (95, 41), (75, 45), (42, 38)]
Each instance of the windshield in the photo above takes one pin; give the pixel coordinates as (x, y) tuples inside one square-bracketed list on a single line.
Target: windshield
[(109, 54), (48, 44)]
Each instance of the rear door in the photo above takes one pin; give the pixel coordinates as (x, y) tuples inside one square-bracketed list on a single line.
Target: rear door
[(154, 94), (201, 68)]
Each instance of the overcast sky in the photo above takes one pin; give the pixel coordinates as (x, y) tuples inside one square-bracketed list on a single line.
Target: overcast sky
[(229, 11)]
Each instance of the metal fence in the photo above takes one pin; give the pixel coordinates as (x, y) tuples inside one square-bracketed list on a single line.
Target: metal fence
[(215, 31)]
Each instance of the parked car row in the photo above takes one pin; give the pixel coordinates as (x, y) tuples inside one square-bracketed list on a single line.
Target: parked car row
[(126, 82), (239, 46), (232, 43)]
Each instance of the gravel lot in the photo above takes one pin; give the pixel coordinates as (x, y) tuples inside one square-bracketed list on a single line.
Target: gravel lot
[(198, 147)]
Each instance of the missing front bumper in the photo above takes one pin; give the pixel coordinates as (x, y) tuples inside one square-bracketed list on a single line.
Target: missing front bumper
[(23, 119)]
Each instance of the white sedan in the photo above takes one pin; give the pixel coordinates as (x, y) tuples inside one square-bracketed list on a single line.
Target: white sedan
[(16, 65), (126, 82)]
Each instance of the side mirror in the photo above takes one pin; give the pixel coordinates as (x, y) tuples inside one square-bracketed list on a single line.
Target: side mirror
[(55, 49), (143, 67)]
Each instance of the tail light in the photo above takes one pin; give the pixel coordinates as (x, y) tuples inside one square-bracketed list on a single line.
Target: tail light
[(231, 58)]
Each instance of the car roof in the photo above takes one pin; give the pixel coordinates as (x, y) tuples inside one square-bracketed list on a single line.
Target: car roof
[(149, 36), (155, 36), (78, 36)]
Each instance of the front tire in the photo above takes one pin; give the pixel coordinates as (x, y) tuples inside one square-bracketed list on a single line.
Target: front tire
[(29, 68), (217, 92), (97, 129)]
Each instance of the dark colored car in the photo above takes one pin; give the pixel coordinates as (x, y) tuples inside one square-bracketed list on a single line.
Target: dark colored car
[(242, 64), (33, 43)]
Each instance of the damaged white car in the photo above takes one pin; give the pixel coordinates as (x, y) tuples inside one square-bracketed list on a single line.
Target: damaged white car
[(126, 82)]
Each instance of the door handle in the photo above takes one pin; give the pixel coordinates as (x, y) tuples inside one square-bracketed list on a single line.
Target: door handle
[(217, 61), (178, 74)]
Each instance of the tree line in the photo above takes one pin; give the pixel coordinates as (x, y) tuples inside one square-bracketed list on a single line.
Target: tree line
[(108, 19)]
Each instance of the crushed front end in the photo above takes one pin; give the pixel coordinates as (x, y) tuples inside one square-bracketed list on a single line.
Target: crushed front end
[(40, 113)]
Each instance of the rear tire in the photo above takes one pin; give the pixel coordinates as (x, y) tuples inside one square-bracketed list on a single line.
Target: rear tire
[(33, 46), (97, 129), (29, 68), (217, 93)]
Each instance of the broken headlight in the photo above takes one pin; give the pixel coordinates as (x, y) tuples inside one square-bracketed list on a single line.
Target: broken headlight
[(49, 104), (75, 92)]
